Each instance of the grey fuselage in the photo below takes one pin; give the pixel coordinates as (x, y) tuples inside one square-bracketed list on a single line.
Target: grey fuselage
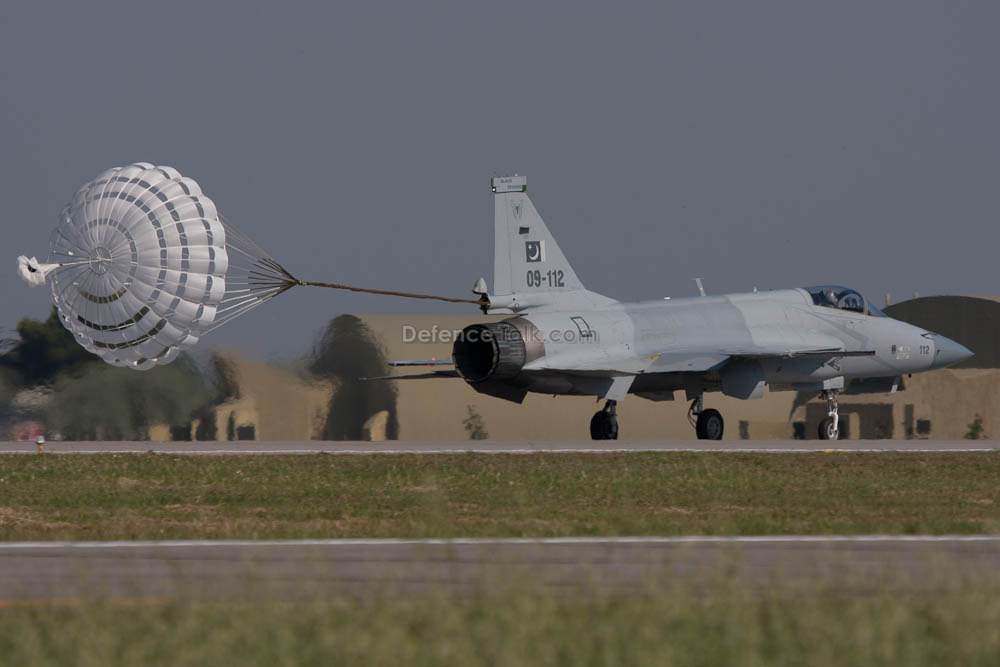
[(735, 343)]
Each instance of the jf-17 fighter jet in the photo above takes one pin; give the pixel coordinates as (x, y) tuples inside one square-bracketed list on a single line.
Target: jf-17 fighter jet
[(564, 339)]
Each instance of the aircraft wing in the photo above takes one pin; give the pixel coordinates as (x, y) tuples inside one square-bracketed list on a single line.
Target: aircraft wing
[(695, 361), (823, 354), (612, 377)]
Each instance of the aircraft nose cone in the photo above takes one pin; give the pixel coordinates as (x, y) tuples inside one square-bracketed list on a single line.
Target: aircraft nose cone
[(948, 352)]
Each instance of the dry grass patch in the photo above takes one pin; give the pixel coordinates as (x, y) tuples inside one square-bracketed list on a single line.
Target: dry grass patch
[(25, 518)]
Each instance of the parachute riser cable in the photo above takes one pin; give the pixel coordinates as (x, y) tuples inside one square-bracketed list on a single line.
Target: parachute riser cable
[(482, 302)]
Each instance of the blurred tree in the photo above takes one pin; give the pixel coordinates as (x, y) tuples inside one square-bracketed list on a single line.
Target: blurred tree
[(346, 352), (7, 341), (976, 430), (474, 424), (110, 403), (6, 396), (42, 352)]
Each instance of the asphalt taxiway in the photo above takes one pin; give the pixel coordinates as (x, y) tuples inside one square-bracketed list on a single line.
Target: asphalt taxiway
[(33, 572), (498, 446)]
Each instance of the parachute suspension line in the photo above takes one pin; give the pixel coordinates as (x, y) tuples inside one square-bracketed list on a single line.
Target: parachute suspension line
[(66, 265), (252, 277), (265, 278)]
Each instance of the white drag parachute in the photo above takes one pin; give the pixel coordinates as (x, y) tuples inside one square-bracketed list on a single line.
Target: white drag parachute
[(141, 266)]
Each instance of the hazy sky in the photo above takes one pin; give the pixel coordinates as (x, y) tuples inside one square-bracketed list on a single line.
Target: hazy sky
[(767, 143)]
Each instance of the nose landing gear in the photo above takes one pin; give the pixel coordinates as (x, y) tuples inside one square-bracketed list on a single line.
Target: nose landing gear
[(708, 424), (829, 428), (604, 424)]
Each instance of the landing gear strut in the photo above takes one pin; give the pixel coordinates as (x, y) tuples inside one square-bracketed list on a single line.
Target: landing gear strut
[(604, 424), (707, 424), (829, 428)]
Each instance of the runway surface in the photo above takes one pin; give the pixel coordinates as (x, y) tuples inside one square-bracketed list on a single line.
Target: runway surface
[(501, 446), (160, 571)]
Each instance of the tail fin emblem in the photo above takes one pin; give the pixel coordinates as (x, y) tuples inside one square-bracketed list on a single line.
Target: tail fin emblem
[(515, 206), (534, 251)]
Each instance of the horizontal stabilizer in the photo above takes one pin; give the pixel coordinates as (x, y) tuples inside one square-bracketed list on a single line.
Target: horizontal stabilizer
[(422, 362), (417, 376)]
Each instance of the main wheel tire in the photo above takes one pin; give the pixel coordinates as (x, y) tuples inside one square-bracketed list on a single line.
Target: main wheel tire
[(603, 427), (827, 431), (710, 425)]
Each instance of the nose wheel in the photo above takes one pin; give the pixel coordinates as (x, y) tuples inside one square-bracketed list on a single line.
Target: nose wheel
[(829, 428), (708, 424), (604, 424)]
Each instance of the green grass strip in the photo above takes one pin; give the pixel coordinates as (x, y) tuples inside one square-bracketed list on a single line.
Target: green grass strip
[(113, 497)]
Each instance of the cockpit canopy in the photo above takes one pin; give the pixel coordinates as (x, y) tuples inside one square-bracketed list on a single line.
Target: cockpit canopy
[(842, 298)]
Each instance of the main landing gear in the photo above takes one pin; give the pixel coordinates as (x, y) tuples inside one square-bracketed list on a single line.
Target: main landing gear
[(707, 424), (604, 424), (829, 428)]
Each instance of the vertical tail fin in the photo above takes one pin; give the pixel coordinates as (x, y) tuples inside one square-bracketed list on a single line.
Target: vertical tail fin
[(526, 258)]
